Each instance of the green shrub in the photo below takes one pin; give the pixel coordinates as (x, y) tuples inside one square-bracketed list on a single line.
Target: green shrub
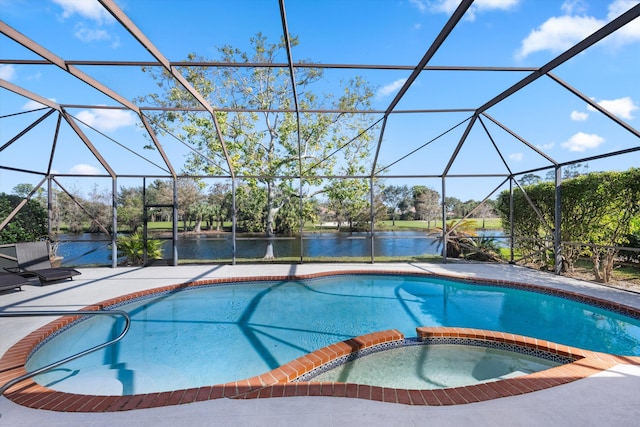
[(131, 246)]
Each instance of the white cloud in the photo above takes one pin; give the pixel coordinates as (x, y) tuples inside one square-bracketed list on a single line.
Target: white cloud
[(558, 34), (89, 34), (579, 116), (93, 12), (84, 169), (496, 4), (544, 147), (390, 88), (516, 157), (629, 33), (7, 72), (582, 142), (106, 120), (478, 6), (621, 107), (34, 105), (421, 5), (87, 9), (571, 7)]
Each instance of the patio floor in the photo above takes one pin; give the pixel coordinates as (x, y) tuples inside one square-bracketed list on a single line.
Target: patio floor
[(607, 398)]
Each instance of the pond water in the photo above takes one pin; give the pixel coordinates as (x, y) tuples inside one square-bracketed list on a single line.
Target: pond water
[(93, 249)]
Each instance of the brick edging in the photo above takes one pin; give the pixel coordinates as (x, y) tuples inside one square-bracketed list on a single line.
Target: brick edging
[(278, 382)]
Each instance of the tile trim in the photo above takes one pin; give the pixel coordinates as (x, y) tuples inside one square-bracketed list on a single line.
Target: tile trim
[(282, 382)]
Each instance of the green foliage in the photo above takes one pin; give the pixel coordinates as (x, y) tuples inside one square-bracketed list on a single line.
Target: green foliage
[(349, 202), (398, 199), (130, 208), (29, 224), (269, 144), (132, 247), (633, 241), (288, 219), (459, 235), (426, 203), (251, 205), (598, 211)]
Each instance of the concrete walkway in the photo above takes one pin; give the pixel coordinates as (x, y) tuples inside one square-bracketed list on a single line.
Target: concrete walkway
[(609, 398)]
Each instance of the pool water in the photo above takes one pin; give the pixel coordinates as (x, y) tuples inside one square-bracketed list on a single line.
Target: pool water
[(428, 367), (209, 335)]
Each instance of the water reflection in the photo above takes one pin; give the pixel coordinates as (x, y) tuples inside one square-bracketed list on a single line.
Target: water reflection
[(93, 249)]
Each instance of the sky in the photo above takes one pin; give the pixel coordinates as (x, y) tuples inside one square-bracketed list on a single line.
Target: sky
[(493, 33)]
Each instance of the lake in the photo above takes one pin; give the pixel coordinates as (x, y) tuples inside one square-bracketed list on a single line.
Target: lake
[(92, 249)]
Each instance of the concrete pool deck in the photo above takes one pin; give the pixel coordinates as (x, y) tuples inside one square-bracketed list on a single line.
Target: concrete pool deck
[(607, 398)]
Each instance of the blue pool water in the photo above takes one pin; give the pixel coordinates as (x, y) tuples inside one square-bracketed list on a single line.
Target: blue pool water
[(430, 367), (216, 334)]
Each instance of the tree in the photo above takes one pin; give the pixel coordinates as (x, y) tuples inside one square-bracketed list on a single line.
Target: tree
[(71, 213), (98, 207), (160, 192), (29, 224), (198, 212), (569, 171), (220, 206), (486, 210), (598, 213), (130, 208), (426, 202), (24, 189), (529, 179), (269, 143), (189, 195), (458, 236), (251, 204), (349, 202), (396, 198)]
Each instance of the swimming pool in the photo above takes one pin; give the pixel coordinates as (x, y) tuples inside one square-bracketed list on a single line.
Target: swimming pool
[(203, 335)]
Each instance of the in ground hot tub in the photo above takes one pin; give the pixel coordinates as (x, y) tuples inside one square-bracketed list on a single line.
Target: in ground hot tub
[(436, 363)]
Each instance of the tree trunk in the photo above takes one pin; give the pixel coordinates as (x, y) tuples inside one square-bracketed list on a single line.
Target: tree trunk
[(595, 258), (608, 264), (198, 225), (271, 216)]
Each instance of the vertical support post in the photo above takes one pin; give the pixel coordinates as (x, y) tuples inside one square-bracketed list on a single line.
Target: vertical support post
[(49, 207), (174, 234), (114, 222), (301, 206), (372, 218), (145, 229), (233, 221), (444, 221), (557, 231), (511, 227)]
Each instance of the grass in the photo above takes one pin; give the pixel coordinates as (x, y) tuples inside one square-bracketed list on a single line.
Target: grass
[(400, 225), (386, 225), (623, 272)]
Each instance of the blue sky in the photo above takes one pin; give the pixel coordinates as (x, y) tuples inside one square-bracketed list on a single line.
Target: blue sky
[(501, 33)]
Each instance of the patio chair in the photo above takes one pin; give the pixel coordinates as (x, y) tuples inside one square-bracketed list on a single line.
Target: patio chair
[(33, 260), (12, 281)]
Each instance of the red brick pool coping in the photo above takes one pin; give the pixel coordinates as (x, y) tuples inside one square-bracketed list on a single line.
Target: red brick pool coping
[(279, 382)]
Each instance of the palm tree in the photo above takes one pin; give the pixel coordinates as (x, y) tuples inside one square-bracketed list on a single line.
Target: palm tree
[(456, 238), (464, 239)]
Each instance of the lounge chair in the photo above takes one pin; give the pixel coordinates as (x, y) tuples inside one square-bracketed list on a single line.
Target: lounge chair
[(33, 260), (12, 281)]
